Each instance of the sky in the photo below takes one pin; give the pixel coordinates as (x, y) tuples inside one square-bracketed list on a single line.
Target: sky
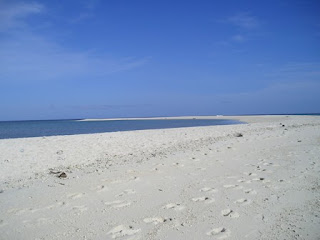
[(124, 58)]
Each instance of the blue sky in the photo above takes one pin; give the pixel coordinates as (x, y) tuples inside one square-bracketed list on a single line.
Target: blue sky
[(98, 59)]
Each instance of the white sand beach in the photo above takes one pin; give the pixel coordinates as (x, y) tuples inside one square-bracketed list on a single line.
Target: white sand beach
[(259, 180)]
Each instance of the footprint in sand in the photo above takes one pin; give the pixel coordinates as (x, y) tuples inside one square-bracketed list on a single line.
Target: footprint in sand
[(36, 222), (208, 189), (249, 165), (260, 217), (118, 204), (41, 221), (100, 188), (135, 178), (231, 186), (272, 198), (267, 164), (2, 223), (229, 213), (126, 192), (241, 180), (174, 206), (178, 164), (231, 177), (16, 211), (219, 233), (262, 169), (154, 220), (122, 231), (75, 195), (261, 179), (203, 199), (243, 201), (201, 169), (80, 209), (111, 181), (49, 207), (250, 174), (250, 191)]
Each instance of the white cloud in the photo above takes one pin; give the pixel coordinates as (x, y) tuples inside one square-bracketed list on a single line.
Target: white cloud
[(12, 15)]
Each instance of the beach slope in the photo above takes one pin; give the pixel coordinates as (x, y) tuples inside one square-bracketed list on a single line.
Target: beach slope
[(258, 180)]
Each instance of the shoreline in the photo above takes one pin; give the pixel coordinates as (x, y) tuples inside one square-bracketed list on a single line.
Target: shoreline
[(178, 183), (73, 127), (227, 117)]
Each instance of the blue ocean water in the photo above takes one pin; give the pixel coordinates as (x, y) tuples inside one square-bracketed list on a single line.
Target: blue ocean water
[(24, 129)]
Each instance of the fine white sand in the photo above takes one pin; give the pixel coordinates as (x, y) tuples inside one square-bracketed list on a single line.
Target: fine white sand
[(186, 183)]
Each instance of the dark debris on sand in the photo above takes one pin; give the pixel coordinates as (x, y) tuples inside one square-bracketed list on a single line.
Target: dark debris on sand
[(239, 135)]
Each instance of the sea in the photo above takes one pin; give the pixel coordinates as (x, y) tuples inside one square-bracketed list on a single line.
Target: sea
[(26, 129)]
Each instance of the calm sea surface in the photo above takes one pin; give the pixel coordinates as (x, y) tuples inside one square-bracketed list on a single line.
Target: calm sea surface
[(23, 129)]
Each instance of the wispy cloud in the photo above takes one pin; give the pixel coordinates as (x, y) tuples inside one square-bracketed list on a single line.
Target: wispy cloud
[(12, 15), (90, 4), (88, 8), (283, 97), (298, 70), (30, 56), (239, 38), (81, 17), (243, 26), (33, 58), (108, 106), (292, 88), (301, 67), (244, 21)]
